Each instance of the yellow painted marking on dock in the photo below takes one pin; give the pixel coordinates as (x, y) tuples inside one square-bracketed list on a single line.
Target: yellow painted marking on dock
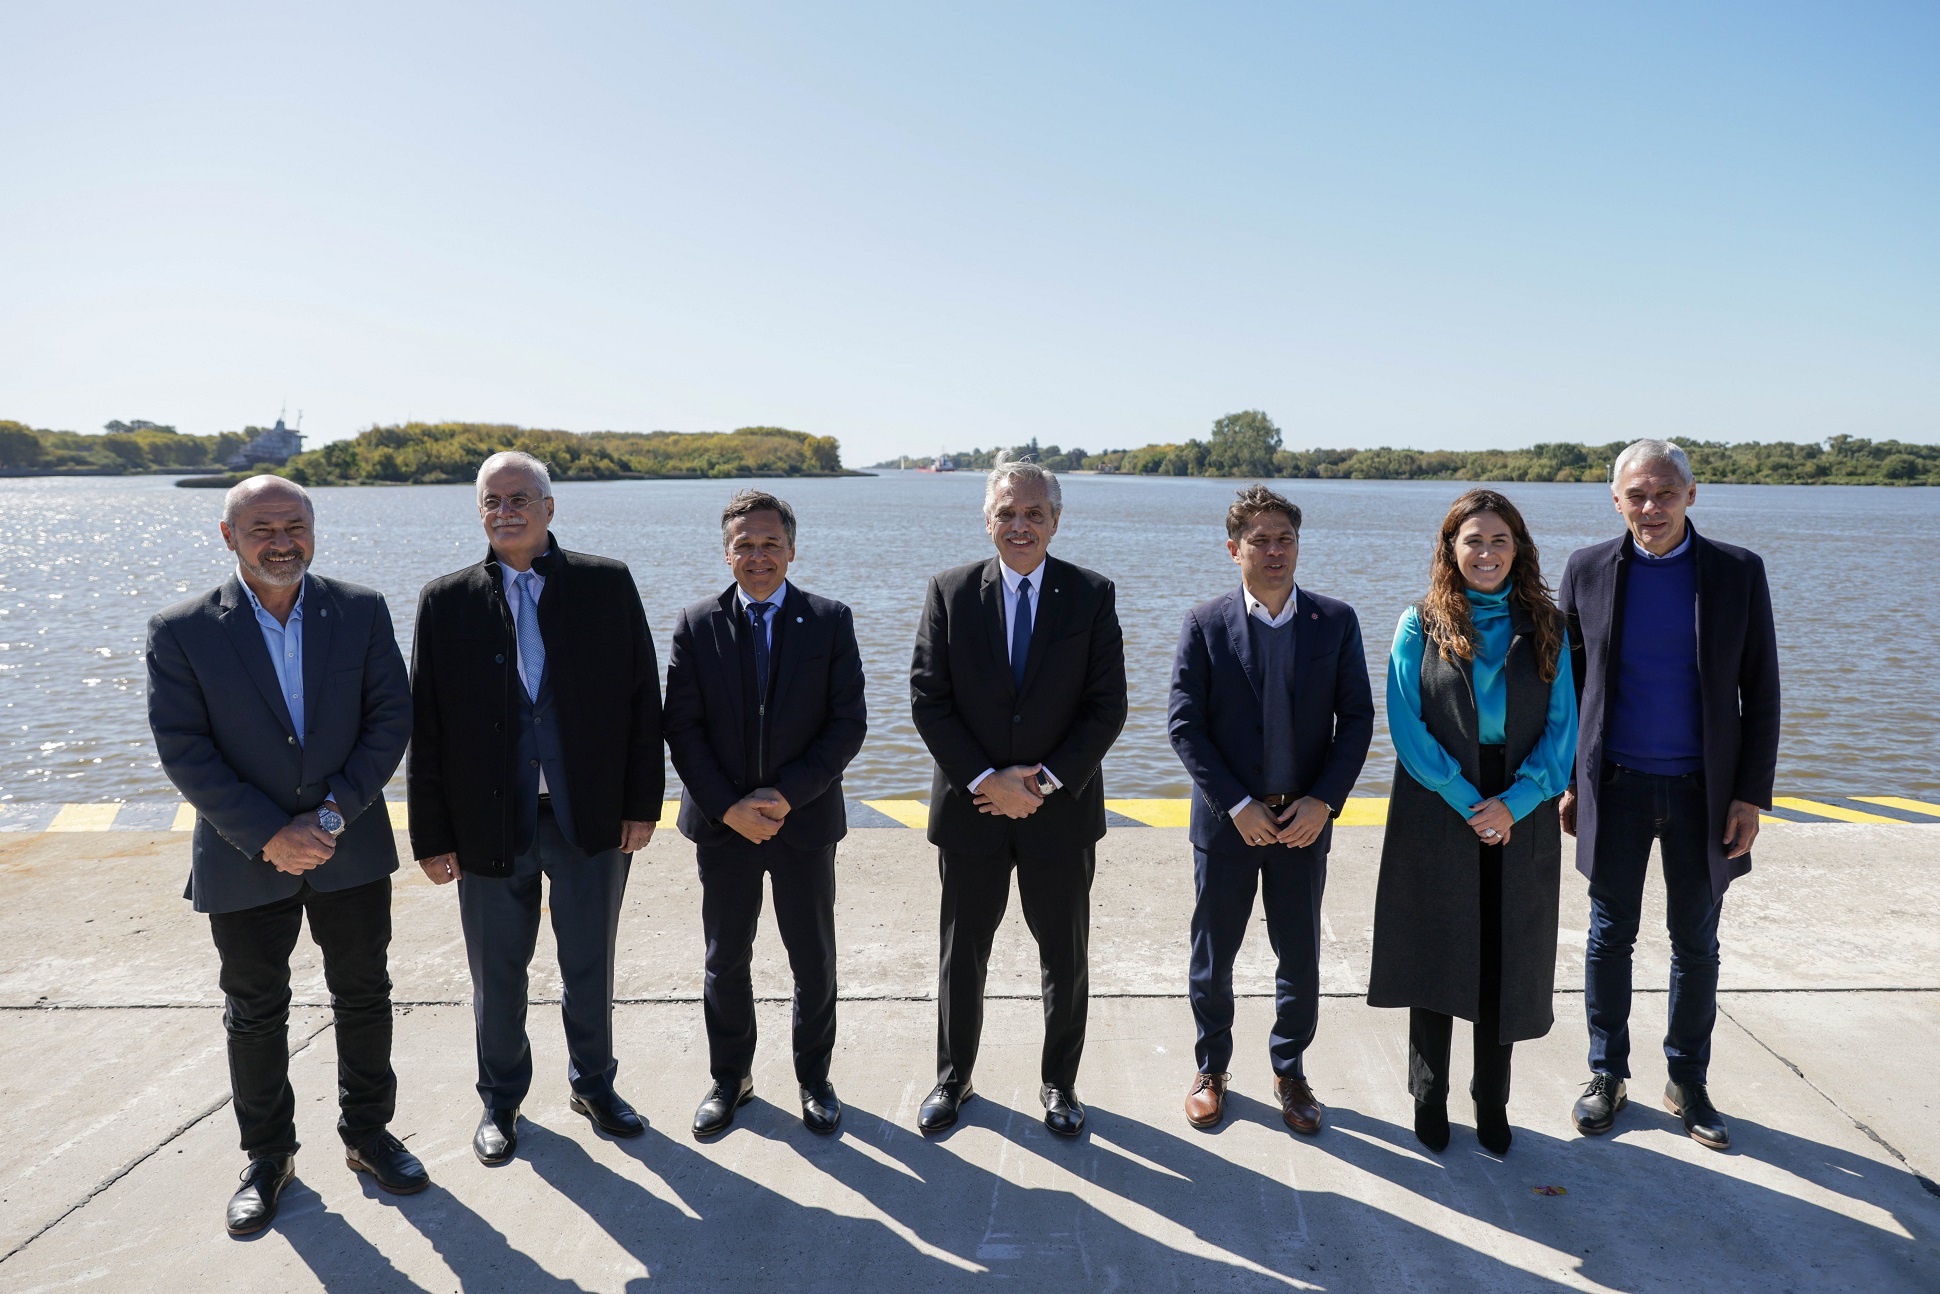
[(1364, 811), (84, 817), (911, 813), (669, 813), (1154, 813), (184, 818), (1901, 802), (1838, 813)]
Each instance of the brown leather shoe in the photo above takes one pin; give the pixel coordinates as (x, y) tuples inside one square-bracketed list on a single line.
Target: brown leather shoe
[(1297, 1104), (1206, 1102)]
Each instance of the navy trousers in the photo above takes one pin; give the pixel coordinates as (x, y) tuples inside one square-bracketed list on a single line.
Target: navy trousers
[(804, 885), (1290, 882), (501, 920), (1635, 809)]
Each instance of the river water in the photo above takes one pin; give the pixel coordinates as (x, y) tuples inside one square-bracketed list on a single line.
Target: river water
[(85, 562)]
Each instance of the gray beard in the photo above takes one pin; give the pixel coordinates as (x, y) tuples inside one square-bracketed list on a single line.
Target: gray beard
[(276, 579)]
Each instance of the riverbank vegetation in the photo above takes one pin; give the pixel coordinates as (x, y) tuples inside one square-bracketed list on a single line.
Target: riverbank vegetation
[(1249, 445), (122, 448)]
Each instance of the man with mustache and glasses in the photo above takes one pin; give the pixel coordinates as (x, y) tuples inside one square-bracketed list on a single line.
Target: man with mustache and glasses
[(1018, 689), (535, 752), (280, 708)]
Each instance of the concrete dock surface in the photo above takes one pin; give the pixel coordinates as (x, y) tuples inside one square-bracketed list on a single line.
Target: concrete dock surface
[(123, 1148)]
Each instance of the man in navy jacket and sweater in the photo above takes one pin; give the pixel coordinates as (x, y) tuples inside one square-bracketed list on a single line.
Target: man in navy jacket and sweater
[(1677, 673), (1271, 714), (764, 710)]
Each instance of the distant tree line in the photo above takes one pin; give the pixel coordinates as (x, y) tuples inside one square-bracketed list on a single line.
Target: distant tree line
[(123, 447), (430, 453), (1248, 445)]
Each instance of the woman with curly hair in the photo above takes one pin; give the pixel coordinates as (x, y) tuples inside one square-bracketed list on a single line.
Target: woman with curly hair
[(1483, 715)]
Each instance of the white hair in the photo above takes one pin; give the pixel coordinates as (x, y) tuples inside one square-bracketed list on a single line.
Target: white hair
[(515, 458), (243, 491), (1649, 452), (1008, 471)]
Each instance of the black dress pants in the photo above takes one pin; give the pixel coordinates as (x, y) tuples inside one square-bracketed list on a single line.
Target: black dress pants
[(353, 928), (1430, 1033), (804, 884), (1054, 886)]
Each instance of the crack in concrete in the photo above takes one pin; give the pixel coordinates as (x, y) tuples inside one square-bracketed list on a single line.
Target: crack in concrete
[(148, 1154), (1927, 1184)]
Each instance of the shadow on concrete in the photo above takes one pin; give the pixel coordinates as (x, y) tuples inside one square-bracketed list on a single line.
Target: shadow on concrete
[(334, 1251)]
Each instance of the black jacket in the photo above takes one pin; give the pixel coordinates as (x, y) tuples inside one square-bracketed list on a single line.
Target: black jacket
[(1737, 671), (815, 721), (972, 716), (606, 689)]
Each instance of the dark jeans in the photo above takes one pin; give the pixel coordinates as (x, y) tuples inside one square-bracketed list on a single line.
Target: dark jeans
[(804, 884), (1633, 809), (1054, 886), (1430, 1033), (353, 928), (501, 920), (1291, 882)]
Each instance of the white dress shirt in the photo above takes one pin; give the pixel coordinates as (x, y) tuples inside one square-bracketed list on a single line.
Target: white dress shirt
[(1257, 609), (512, 600), (1011, 582)]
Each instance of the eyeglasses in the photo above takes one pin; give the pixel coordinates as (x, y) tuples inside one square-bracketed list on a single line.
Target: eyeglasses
[(516, 502)]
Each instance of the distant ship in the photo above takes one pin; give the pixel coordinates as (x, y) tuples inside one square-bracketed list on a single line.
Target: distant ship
[(942, 464)]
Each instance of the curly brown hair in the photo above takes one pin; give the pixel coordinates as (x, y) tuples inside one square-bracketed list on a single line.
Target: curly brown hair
[(1445, 611)]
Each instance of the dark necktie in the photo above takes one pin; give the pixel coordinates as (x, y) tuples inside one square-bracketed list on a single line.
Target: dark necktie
[(758, 617), (1020, 634)]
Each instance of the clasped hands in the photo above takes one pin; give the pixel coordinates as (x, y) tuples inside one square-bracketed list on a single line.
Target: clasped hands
[(1491, 821), (1010, 792), (442, 869), (758, 815), (301, 844), (1296, 826)]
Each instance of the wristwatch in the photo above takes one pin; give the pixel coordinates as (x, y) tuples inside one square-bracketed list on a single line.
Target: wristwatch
[(330, 820), (1044, 783)]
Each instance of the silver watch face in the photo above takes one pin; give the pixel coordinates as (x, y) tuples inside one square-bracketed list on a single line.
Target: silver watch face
[(331, 821)]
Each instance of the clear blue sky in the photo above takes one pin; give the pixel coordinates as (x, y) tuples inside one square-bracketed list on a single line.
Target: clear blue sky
[(912, 226)]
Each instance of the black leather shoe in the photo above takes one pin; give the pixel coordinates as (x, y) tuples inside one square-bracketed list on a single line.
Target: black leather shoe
[(1596, 1110), (821, 1108), (497, 1136), (1492, 1128), (254, 1204), (940, 1107), (1691, 1103), (1064, 1113), (716, 1112), (1431, 1124), (611, 1112), (384, 1157)]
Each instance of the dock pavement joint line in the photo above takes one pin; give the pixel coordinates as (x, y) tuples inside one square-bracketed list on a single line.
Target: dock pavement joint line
[(148, 1154), (1927, 1184)]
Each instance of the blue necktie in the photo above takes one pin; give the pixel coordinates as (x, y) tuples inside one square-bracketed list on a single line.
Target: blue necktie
[(758, 618), (532, 648), (1020, 634)]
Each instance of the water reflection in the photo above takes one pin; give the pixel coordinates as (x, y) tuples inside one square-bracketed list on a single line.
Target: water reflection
[(84, 562)]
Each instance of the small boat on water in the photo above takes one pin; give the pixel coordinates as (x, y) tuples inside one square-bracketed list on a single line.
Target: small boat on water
[(942, 463)]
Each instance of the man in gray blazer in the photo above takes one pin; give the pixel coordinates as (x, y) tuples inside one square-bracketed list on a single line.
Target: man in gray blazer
[(280, 708)]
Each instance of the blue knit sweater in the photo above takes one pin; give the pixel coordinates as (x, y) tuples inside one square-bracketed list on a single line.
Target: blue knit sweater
[(1657, 707)]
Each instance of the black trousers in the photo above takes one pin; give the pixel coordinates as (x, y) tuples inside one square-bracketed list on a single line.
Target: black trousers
[(804, 885), (501, 920), (1291, 882), (1430, 1034), (1054, 886), (353, 929)]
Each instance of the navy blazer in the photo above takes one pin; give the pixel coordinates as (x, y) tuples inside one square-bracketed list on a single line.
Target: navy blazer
[(815, 725), (225, 738), (1737, 673), (1215, 716)]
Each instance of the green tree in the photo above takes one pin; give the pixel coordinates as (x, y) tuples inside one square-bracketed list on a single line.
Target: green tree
[(1243, 444), (19, 446)]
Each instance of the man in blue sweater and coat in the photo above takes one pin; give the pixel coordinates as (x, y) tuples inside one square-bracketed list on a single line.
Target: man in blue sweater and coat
[(1271, 714), (1676, 663)]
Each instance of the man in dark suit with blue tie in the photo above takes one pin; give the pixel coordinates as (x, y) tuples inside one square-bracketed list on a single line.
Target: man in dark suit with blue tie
[(279, 706), (1271, 713), (535, 753), (1018, 690), (764, 710)]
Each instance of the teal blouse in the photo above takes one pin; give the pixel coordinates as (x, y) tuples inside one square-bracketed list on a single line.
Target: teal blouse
[(1543, 775)]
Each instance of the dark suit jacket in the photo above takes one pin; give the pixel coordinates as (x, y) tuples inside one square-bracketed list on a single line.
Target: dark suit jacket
[(225, 739), (1215, 722), (972, 716), (815, 722), (1737, 669), (606, 689)]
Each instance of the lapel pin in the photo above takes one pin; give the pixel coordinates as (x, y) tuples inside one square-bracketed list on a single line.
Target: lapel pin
[(798, 619), (324, 612), (1313, 615)]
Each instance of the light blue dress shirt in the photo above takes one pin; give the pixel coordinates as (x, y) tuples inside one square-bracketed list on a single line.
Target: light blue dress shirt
[(1543, 775), (285, 643), (774, 600)]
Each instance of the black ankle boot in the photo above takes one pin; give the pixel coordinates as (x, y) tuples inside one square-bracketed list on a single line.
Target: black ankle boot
[(1431, 1124), (1492, 1128)]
